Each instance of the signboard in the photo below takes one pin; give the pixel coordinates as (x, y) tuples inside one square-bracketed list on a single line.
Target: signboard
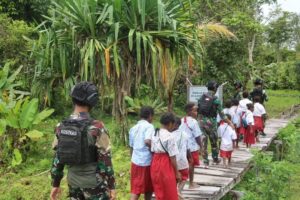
[(195, 92)]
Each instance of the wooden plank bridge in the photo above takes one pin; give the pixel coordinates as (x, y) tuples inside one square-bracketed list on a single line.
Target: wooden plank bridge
[(217, 181)]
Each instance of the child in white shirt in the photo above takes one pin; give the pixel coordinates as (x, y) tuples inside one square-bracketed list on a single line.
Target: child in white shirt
[(228, 136), (260, 116), (248, 123), (235, 118), (182, 141)]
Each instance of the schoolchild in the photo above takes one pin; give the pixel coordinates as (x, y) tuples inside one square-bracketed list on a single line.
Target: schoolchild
[(190, 125), (228, 136), (260, 116), (248, 121), (242, 108), (235, 118), (164, 171), (183, 156), (140, 179)]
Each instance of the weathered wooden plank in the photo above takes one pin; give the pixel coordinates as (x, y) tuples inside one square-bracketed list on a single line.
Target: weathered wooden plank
[(212, 180), (214, 172), (208, 190)]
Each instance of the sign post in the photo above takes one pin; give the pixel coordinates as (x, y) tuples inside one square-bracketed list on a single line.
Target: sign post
[(195, 92)]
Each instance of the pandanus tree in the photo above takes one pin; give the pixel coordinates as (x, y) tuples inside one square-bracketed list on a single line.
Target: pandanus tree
[(117, 44)]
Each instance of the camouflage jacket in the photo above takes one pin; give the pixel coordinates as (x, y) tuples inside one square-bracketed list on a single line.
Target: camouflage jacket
[(207, 122), (104, 168)]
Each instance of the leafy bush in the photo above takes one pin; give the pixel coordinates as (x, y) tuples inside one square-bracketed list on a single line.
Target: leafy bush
[(17, 129), (12, 44), (134, 105), (279, 75)]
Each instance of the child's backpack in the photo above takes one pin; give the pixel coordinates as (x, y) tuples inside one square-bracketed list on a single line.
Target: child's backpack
[(206, 105), (244, 121), (74, 145)]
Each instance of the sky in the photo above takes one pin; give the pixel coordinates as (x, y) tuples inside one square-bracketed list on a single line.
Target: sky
[(286, 5)]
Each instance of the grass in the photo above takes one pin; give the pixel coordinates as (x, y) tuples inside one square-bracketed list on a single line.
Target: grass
[(281, 100), (31, 180)]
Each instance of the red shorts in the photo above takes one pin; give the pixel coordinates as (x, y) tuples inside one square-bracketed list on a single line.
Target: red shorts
[(140, 179), (225, 154), (259, 123), (195, 157), (184, 174)]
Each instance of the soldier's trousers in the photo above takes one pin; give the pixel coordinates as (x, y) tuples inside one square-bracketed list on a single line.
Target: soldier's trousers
[(97, 193), (212, 135)]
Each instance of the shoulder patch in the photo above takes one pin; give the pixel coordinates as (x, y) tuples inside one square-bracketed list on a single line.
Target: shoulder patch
[(97, 128)]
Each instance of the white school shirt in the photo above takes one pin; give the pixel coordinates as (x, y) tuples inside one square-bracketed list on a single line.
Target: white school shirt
[(243, 105), (235, 117), (191, 127), (181, 138), (225, 111), (165, 138), (249, 117), (227, 134), (259, 110), (141, 154)]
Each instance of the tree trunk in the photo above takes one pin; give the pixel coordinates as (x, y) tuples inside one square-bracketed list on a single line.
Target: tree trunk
[(278, 54), (251, 46)]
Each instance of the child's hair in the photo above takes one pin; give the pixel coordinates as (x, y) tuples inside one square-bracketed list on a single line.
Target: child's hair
[(245, 94), (146, 112), (227, 104), (167, 118), (189, 107), (256, 99), (250, 106), (177, 121), (234, 102), (228, 116)]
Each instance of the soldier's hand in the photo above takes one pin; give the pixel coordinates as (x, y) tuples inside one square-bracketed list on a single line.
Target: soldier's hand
[(55, 193), (113, 195)]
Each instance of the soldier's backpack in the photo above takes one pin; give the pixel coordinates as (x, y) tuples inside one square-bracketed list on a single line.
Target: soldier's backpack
[(257, 93), (74, 145), (206, 105)]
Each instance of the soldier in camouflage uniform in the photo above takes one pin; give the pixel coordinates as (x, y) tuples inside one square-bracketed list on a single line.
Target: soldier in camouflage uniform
[(208, 123), (90, 181)]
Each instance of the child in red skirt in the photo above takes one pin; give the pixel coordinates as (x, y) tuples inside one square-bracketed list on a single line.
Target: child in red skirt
[(183, 156), (141, 156), (248, 120), (242, 109), (164, 171), (228, 136), (190, 125), (259, 114)]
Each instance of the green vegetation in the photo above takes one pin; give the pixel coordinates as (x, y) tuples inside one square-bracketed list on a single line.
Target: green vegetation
[(272, 179), (281, 100), (32, 179)]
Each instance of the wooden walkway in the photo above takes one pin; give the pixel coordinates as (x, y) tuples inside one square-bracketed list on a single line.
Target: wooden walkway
[(216, 181)]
